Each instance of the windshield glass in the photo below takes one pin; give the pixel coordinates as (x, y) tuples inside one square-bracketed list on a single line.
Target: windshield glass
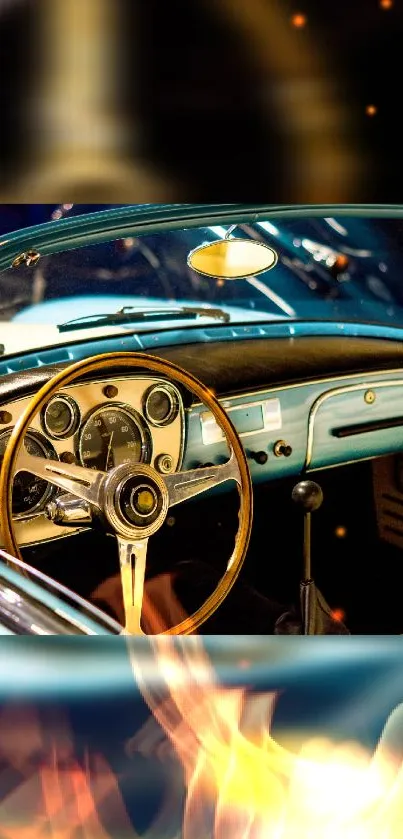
[(338, 269)]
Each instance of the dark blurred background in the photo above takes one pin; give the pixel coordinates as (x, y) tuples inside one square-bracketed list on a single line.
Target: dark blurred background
[(213, 100)]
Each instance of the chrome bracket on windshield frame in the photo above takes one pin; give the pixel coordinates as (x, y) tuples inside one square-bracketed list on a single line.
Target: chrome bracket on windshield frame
[(29, 258)]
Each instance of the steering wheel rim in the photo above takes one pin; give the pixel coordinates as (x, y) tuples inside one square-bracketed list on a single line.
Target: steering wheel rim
[(95, 364)]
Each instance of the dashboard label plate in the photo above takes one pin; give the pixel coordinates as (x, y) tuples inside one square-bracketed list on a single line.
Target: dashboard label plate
[(253, 418)]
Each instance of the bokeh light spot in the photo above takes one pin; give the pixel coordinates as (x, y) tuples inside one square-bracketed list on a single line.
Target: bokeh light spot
[(340, 532), (299, 20), (338, 615)]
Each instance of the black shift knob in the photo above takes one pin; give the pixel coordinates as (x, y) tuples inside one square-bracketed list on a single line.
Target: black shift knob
[(308, 496)]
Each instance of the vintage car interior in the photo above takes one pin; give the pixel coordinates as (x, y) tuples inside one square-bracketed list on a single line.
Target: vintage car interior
[(222, 459)]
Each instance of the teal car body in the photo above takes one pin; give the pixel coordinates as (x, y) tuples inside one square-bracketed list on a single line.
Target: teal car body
[(67, 234)]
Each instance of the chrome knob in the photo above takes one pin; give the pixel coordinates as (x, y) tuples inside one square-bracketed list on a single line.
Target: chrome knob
[(164, 464)]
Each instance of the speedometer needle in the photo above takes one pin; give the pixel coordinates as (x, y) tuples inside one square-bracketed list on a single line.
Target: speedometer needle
[(109, 450)]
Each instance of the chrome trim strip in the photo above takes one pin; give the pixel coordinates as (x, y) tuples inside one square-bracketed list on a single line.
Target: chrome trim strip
[(23, 615)]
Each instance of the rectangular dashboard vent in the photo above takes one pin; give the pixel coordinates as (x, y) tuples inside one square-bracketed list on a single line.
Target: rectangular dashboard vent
[(366, 427)]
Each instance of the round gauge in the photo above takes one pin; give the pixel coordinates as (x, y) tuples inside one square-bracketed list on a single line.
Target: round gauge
[(30, 494), (161, 405), (113, 435), (61, 417)]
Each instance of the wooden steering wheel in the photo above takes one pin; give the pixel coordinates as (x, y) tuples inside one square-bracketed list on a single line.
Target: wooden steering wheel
[(112, 495)]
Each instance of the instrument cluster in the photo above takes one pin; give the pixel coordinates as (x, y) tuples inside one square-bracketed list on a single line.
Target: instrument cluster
[(98, 425)]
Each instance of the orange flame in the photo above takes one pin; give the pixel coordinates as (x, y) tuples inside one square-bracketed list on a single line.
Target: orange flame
[(241, 783), (54, 797)]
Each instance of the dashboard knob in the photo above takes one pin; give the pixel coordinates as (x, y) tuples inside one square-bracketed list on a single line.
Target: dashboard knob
[(282, 449), (260, 457), (164, 464)]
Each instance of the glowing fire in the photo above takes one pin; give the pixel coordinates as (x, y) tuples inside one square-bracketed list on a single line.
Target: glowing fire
[(241, 783), (50, 794)]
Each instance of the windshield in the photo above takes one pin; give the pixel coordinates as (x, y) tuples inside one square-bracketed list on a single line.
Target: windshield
[(337, 269)]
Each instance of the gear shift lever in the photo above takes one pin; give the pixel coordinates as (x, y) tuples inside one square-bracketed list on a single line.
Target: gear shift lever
[(317, 617), (309, 497)]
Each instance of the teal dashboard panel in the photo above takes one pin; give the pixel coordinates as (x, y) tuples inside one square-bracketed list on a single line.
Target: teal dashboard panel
[(304, 427)]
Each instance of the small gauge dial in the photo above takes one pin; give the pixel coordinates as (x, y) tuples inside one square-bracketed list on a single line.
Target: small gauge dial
[(61, 417), (30, 494), (113, 435), (161, 405)]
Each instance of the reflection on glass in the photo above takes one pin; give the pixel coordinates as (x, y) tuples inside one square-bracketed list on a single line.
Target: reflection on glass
[(232, 259)]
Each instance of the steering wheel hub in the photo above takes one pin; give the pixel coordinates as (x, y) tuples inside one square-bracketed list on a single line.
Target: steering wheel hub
[(143, 501), (135, 500)]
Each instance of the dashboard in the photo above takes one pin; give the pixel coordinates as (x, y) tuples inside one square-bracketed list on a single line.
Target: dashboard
[(305, 427), (99, 425), (311, 404)]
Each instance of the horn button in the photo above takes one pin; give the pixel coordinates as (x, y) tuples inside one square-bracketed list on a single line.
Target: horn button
[(140, 501), (136, 500)]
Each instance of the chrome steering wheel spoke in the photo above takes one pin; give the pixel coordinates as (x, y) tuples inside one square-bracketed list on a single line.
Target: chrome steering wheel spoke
[(132, 560), (184, 485), (82, 482)]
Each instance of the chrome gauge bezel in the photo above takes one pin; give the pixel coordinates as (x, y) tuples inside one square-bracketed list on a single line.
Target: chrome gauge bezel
[(133, 415), (74, 417), (175, 400), (50, 453)]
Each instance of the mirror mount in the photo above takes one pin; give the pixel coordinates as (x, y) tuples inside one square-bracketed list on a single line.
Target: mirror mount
[(230, 231)]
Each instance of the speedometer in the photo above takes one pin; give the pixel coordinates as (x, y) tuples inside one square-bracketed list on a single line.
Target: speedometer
[(113, 435)]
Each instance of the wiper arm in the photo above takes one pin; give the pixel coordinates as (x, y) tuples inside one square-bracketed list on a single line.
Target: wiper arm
[(131, 314)]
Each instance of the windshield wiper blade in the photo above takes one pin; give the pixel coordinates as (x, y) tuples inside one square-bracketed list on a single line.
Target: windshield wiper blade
[(131, 314)]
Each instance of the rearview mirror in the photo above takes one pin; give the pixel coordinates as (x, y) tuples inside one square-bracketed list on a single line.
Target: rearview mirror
[(232, 259)]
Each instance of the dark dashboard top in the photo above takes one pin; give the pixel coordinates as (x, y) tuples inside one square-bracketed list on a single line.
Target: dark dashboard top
[(237, 367), (247, 365)]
